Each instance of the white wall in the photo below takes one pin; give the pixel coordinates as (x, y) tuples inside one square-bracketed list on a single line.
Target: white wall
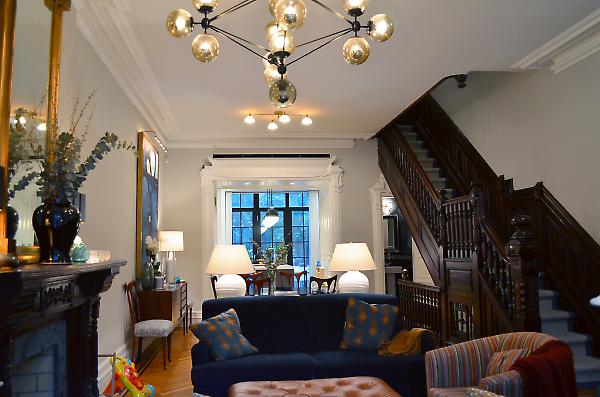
[(181, 204), (111, 187), (420, 271), (534, 126)]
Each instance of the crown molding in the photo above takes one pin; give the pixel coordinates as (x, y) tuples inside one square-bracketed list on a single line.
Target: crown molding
[(263, 143), (108, 30), (565, 50)]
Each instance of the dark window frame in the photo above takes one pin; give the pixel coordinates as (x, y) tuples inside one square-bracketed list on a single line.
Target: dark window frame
[(287, 212)]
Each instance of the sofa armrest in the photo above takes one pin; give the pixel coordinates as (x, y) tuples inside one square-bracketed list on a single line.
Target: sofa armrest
[(201, 354), (460, 365), (508, 384)]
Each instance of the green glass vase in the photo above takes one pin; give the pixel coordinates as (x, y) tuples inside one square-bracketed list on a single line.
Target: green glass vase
[(148, 275)]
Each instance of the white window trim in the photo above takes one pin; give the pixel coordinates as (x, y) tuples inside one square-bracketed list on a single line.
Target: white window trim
[(379, 190), (321, 173)]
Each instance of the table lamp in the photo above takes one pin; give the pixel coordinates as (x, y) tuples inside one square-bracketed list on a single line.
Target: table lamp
[(352, 258), (230, 261), (170, 241)]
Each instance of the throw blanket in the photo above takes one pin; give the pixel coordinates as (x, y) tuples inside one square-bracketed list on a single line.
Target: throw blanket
[(548, 371), (404, 343)]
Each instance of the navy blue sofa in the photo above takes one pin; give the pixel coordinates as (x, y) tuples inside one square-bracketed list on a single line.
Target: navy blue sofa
[(298, 338)]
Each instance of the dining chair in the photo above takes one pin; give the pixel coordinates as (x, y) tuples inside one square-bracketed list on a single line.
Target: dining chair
[(213, 282), (259, 281), (294, 276), (147, 328), (331, 283)]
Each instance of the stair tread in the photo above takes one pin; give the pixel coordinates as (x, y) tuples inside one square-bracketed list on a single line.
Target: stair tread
[(546, 293), (555, 315), (571, 337), (586, 364)]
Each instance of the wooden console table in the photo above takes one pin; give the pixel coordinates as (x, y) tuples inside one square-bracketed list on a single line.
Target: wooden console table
[(169, 303)]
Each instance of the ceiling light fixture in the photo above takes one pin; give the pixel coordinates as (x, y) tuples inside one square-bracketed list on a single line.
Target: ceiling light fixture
[(289, 16), (279, 115), (249, 119), (271, 217)]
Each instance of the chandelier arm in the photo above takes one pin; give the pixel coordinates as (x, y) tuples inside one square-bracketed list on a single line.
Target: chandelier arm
[(233, 8), (241, 39), (226, 35), (332, 11), (345, 32), (323, 37)]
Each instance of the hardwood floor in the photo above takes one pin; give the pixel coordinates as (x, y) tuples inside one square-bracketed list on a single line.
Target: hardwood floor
[(176, 380)]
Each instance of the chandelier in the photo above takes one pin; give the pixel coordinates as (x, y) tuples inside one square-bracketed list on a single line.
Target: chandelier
[(281, 117), (289, 16)]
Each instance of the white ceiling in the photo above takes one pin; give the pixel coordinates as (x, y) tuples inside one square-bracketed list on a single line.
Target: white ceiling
[(203, 105)]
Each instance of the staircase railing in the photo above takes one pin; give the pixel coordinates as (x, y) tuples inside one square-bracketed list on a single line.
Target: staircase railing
[(420, 306), (567, 255), (482, 287)]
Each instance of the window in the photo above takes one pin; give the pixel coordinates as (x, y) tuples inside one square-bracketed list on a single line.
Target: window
[(248, 210)]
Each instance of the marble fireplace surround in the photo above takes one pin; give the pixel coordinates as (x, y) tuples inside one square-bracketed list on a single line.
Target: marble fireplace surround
[(42, 306)]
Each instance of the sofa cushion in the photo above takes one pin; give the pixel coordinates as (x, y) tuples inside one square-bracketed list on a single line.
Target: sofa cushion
[(405, 374), (273, 323), (223, 335), (214, 378), (367, 326)]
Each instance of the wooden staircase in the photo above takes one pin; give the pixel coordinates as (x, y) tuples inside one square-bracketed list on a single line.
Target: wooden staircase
[(485, 243)]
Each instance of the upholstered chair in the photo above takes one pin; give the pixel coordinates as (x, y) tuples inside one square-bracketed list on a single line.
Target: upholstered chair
[(148, 328), (465, 365)]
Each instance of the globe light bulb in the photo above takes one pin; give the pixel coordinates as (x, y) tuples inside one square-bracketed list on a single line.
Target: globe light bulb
[(284, 118), (271, 74), (356, 50), (290, 14), (270, 29), (205, 5), (42, 127), (272, 5), (179, 23), (272, 125), (306, 120), (282, 44), (249, 119), (355, 8), (380, 27), (282, 93), (22, 120), (205, 47)]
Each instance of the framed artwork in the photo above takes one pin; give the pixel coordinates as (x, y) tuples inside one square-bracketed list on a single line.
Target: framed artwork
[(147, 196)]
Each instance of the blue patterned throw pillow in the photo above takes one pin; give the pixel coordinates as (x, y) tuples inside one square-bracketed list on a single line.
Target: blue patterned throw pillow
[(367, 326), (224, 337)]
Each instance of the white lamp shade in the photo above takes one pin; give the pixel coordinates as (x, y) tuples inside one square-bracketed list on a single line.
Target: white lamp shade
[(170, 240), (229, 259), (351, 256)]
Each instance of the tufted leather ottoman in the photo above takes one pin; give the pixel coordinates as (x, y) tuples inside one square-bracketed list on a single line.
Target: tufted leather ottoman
[(359, 386)]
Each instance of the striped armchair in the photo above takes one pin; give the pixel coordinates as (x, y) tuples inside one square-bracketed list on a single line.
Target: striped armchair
[(465, 365)]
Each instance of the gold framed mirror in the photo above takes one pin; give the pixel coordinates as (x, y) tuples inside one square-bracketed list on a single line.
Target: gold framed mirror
[(29, 89)]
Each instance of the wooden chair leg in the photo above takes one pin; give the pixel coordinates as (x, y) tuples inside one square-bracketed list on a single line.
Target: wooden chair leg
[(169, 347), (164, 351), (138, 357)]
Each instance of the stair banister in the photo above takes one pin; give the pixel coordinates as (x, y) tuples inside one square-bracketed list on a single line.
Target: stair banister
[(522, 252)]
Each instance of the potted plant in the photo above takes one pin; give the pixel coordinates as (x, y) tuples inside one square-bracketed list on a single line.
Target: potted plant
[(56, 221), (148, 270)]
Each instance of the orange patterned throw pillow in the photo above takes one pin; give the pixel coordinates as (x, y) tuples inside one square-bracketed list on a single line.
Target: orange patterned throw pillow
[(224, 337), (502, 361), (367, 326)]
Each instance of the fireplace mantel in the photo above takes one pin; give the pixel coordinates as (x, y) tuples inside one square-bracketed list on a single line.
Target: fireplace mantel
[(35, 296)]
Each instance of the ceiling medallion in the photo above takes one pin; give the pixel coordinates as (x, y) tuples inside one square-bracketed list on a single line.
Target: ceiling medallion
[(289, 16), (278, 116)]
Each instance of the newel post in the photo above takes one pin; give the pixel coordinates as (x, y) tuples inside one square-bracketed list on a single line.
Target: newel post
[(522, 252)]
